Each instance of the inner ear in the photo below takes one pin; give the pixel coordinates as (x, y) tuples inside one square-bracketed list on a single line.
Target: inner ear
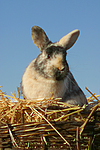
[(39, 37), (68, 40)]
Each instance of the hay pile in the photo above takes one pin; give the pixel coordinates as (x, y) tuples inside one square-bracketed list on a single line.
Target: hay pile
[(48, 124)]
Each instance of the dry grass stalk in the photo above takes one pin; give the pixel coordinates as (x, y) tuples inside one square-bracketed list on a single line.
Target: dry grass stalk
[(47, 118)]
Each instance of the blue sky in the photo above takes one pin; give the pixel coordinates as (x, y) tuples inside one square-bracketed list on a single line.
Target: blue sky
[(57, 18)]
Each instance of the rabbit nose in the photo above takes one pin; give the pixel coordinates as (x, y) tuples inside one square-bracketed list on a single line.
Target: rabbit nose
[(62, 68)]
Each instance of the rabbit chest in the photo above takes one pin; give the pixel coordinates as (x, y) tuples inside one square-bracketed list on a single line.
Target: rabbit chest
[(35, 86)]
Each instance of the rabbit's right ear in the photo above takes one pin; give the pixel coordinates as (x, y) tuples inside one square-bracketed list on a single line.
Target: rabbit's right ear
[(39, 37)]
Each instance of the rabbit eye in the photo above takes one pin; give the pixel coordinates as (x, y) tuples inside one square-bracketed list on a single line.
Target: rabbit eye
[(48, 56)]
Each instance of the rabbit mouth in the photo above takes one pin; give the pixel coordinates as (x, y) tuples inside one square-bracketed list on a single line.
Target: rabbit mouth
[(61, 74)]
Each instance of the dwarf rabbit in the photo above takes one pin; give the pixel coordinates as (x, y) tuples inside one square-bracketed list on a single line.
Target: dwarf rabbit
[(49, 73)]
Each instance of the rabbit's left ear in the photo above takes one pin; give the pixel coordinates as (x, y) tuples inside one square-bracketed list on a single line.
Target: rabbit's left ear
[(39, 37), (68, 40)]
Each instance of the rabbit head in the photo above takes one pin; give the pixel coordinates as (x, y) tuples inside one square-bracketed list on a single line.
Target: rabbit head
[(51, 62)]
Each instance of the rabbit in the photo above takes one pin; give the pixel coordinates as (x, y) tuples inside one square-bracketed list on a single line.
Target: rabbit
[(49, 73)]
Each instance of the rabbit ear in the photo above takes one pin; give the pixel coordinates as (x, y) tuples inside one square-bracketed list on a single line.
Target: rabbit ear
[(39, 37), (68, 40)]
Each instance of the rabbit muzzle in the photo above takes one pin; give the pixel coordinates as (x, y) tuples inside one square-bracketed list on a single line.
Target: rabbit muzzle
[(58, 64), (60, 67)]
